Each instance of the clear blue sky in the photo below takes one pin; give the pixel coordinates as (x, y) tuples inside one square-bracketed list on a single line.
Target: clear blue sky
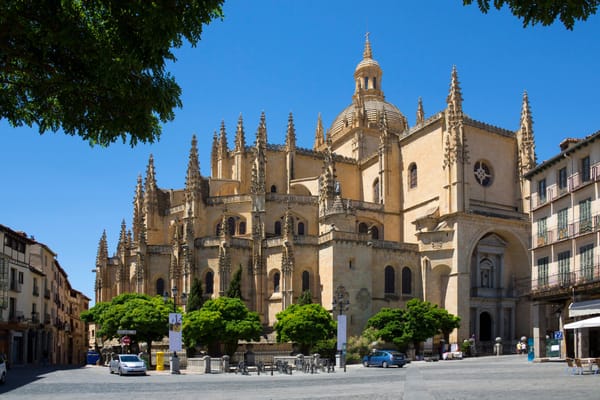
[(299, 56)]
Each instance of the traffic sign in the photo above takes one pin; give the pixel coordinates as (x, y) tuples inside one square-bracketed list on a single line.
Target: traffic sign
[(126, 332), (126, 340)]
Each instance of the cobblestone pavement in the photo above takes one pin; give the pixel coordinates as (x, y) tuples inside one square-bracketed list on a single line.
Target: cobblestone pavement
[(498, 378)]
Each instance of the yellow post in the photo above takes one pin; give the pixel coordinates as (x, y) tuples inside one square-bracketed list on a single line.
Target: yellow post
[(160, 361)]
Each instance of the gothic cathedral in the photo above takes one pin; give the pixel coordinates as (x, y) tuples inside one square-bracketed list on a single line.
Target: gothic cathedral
[(388, 211)]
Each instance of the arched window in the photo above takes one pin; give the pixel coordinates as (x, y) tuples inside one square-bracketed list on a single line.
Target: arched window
[(374, 82), (305, 281), (231, 225), (376, 191), (300, 228), (363, 228), (406, 280), (209, 281), (160, 286), (374, 232), (390, 280), (218, 230), (412, 176), (276, 278), (242, 228), (273, 189), (366, 83), (277, 227)]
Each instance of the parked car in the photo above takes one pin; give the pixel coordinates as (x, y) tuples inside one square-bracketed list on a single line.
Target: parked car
[(2, 369), (127, 364), (384, 358)]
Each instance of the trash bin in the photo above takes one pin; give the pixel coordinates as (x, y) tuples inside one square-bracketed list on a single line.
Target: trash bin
[(92, 357), (160, 361), (174, 364)]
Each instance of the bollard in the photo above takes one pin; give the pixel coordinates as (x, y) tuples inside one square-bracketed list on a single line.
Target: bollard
[(160, 361)]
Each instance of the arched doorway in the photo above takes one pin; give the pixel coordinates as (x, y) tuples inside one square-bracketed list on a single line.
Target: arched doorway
[(485, 326)]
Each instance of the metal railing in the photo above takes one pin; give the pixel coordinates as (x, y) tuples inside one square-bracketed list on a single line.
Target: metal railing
[(565, 279)]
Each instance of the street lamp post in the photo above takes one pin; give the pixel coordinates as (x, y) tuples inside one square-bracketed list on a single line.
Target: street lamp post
[(341, 304), (175, 328)]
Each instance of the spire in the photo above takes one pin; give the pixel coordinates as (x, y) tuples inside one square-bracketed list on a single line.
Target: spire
[(290, 138), (214, 154), (455, 99), (319, 134), (420, 112), (138, 208), (261, 133), (102, 254), (151, 198), (122, 245), (222, 153), (260, 158), (193, 177), (240, 137), (367, 53), (525, 138)]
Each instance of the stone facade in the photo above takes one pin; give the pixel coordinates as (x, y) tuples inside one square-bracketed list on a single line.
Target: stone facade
[(389, 211)]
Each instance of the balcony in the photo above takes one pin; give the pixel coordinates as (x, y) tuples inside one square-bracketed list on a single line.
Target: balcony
[(573, 230), (47, 293), (36, 291), (559, 285), (575, 181)]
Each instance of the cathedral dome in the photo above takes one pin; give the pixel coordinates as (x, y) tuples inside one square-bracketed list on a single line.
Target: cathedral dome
[(368, 106), (373, 110)]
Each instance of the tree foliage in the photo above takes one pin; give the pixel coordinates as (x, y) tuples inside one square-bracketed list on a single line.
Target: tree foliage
[(222, 320), (416, 323), (148, 316), (305, 325), (544, 12), (235, 286), (95, 68), (305, 298), (195, 299)]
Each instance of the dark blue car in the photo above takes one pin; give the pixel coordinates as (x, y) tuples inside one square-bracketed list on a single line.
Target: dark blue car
[(384, 358)]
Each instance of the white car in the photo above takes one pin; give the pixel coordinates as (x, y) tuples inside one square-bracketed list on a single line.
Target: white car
[(127, 364), (2, 369)]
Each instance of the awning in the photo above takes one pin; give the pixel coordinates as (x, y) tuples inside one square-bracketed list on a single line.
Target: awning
[(582, 308), (584, 323)]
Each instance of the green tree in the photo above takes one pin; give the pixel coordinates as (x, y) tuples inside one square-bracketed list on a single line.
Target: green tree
[(305, 325), (420, 318), (305, 298), (390, 326), (543, 11), (447, 322), (416, 323), (235, 286), (222, 320), (97, 69), (148, 316), (195, 299)]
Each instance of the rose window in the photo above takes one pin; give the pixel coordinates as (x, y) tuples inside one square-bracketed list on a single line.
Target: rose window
[(483, 173)]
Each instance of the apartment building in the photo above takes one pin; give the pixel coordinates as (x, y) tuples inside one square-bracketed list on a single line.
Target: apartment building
[(39, 311), (565, 249)]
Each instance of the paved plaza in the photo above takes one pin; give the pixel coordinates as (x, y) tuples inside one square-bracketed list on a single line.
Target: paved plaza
[(498, 378)]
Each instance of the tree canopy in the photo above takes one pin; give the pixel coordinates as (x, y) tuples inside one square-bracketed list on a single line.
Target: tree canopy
[(543, 11), (305, 325), (416, 323), (222, 320), (235, 286), (195, 298), (148, 316), (95, 68)]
